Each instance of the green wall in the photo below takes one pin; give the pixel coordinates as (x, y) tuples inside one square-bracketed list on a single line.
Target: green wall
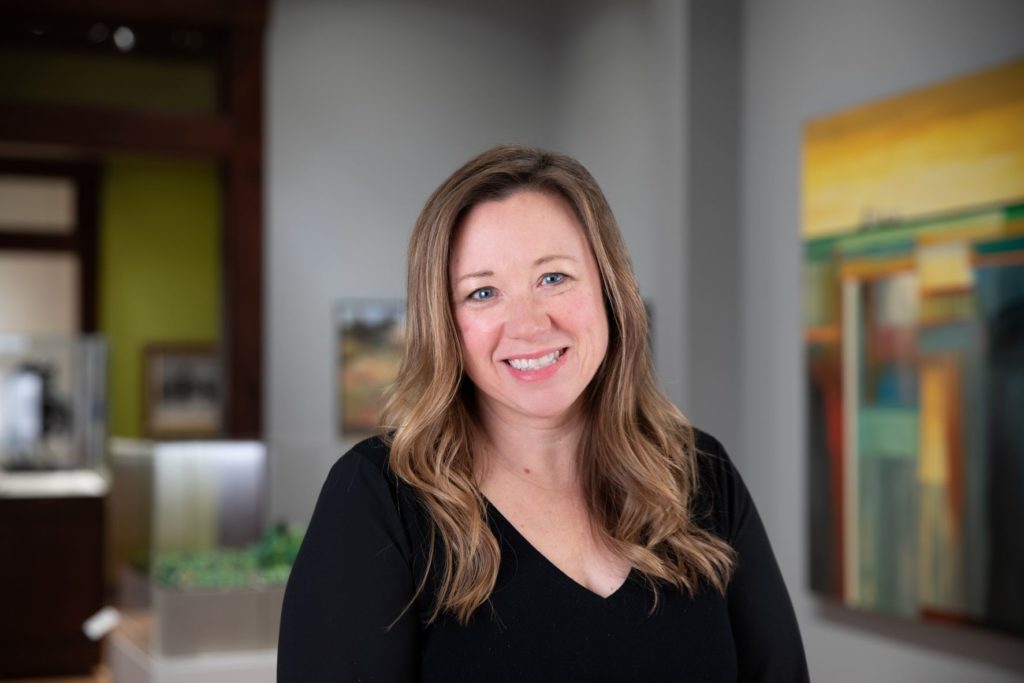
[(160, 268), (108, 80)]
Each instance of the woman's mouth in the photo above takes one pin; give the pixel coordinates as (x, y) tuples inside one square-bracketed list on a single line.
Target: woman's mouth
[(539, 363)]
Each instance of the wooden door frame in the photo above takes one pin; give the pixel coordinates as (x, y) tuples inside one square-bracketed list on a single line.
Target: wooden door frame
[(234, 137), (82, 241)]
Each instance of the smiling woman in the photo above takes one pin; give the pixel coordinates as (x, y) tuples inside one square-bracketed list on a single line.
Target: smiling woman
[(532, 336), (535, 508)]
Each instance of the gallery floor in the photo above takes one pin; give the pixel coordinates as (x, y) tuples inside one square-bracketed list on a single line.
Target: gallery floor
[(101, 675)]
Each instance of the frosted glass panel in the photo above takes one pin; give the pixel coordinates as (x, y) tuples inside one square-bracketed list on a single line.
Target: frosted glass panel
[(208, 494), (39, 293), (37, 204)]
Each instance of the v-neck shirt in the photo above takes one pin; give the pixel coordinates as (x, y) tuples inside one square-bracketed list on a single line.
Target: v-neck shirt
[(501, 525), (366, 550)]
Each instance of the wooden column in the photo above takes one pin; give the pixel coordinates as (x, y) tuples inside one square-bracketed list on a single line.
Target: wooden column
[(243, 234)]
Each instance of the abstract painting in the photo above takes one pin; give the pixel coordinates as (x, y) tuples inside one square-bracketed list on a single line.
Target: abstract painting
[(913, 239)]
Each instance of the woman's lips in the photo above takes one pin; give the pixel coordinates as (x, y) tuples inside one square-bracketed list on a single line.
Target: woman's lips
[(537, 366), (535, 362)]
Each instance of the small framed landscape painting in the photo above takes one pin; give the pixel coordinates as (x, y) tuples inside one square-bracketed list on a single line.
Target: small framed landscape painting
[(182, 390), (370, 339)]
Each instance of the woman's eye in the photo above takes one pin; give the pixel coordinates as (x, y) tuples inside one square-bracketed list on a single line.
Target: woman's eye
[(552, 278), (482, 294)]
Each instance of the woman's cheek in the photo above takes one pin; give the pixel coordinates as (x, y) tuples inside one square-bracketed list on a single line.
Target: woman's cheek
[(474, 331), (581, 308)]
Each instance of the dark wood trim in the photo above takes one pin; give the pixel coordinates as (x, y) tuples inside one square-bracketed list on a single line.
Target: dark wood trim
[(29, 241), (115, 129), (71, 37), (198, 13), (243, 236), (42, 167), (86, 238)]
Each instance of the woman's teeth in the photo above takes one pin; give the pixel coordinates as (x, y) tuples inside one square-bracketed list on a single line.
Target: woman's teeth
[(534, 363)]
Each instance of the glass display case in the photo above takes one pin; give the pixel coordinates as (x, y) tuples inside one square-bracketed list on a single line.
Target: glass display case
[(52, 402), (52, 492)]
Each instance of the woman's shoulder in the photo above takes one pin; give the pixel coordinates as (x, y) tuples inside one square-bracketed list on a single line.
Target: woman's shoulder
[(722, 497), (371, 452), (713, 462), (363, 475), (362, 489)]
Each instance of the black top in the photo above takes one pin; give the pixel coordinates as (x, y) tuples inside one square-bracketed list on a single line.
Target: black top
[(364, 554)]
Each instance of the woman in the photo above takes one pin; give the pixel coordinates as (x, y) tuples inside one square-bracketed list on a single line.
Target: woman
[(536, 510)]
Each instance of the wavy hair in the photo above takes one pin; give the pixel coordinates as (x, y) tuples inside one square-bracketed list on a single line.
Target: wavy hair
[(637, 454)]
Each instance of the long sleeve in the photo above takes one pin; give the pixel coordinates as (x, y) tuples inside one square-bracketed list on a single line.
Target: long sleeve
[(765, 631), (352, 578)]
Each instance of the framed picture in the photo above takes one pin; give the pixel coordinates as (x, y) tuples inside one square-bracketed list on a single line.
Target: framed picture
[(370, 338), (182, 390), (914, 356)]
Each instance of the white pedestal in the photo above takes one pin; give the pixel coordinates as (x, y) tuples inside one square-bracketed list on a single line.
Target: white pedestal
[(130, 661)]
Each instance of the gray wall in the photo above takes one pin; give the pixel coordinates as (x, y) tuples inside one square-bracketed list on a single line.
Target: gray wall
[(806, 58), (713, 161), (372, 104), (622, 113)]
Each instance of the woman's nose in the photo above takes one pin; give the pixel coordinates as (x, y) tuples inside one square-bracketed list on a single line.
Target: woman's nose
[(527, 318)]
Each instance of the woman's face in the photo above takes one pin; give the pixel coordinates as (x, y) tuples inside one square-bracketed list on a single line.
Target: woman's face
[(528, 304)]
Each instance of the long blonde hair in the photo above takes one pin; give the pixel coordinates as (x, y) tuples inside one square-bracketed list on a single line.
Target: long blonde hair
[(637, 456)]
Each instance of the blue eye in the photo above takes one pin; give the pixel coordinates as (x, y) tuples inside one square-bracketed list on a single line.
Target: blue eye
[(552, 278), (482, 294)]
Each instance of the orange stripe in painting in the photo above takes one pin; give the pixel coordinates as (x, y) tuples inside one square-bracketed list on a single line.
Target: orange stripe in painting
[(874, 269), (955, 453), (825, 334), (834, 431), (1013, 258)]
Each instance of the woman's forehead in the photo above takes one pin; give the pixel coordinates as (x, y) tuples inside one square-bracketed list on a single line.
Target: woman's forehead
[(525, 226)]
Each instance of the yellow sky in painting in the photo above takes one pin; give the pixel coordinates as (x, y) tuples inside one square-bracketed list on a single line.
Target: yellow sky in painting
[(951, 146)]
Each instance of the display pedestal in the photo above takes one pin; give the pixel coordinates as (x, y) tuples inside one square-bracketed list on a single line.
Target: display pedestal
[(131, 660), (51, 542)]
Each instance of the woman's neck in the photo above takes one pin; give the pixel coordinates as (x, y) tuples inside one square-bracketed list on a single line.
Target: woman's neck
[(543, 454)]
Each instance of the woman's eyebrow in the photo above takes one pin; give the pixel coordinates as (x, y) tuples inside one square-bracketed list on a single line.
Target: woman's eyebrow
[(479, 273), (539, 262), (552, 257)]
